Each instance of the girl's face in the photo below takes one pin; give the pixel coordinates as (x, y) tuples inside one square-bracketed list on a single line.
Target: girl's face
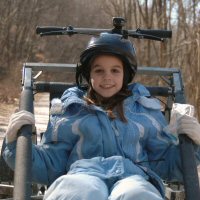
[(106, 75)]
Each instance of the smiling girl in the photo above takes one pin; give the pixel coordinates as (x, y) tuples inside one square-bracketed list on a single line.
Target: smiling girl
[(107, 142)]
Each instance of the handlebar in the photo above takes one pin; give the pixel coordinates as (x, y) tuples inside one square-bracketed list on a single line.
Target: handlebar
[(46, 29), (157, 34)]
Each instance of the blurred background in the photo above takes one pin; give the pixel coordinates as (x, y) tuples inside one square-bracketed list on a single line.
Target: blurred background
[(19, 42)]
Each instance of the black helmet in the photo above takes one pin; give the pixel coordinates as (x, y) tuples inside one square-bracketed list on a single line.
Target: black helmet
[(108, 43)]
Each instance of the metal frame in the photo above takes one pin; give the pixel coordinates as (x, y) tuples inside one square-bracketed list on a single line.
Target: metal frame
[(174, 90)]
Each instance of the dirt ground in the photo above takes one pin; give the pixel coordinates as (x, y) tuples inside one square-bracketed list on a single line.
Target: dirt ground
[(7, 108)]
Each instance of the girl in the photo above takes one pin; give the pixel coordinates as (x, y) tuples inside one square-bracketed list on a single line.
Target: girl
[(105, 140)]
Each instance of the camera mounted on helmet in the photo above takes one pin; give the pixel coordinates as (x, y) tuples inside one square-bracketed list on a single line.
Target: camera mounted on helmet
[(110, 41)]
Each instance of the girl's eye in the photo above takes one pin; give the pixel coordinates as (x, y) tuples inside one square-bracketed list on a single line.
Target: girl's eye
[(115, 71), (98, 71)]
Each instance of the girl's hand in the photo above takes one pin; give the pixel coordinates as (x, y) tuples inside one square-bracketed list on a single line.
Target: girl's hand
[(190, 126), (18, 120)]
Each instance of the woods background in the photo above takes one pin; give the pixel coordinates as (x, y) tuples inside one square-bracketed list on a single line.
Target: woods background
[(19, 42)]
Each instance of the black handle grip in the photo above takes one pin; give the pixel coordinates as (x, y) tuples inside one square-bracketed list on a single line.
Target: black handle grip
[(23, 176), (44, 29), (146, 33), (189, 165), (157, 33)]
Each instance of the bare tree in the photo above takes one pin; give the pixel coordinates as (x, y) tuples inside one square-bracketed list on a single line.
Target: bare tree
[(19, 43), (182, 51)]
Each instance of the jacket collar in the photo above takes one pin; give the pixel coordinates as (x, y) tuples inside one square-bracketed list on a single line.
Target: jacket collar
[(141, 95)]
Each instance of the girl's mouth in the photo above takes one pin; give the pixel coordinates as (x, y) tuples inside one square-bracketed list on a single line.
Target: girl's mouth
[(106, 86)]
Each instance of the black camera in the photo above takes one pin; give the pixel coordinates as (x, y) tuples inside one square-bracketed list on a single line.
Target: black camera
[(118, 22)]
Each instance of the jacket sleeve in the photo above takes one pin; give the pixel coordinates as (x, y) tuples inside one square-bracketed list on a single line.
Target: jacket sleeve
[(49, 159), (164, 152)]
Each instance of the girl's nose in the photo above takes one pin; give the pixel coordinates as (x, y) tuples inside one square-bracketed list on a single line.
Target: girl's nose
[(107, 75)]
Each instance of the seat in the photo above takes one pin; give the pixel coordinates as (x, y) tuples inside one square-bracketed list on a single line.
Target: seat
[(168, 89)]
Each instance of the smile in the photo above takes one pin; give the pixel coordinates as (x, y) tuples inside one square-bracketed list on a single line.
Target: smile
[(107, 86)]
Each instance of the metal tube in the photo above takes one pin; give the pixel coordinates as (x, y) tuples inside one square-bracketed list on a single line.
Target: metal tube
[(190, 174), (23, 162)]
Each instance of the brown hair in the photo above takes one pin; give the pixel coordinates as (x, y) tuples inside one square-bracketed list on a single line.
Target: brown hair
[(112, 104)]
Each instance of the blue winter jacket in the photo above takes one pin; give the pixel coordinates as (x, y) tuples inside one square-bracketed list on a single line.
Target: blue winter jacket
[(81, 138)]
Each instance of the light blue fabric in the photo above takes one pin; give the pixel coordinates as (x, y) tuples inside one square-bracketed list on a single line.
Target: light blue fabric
[(87, 187), (81, 139), (134, 188), (77, 187)]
